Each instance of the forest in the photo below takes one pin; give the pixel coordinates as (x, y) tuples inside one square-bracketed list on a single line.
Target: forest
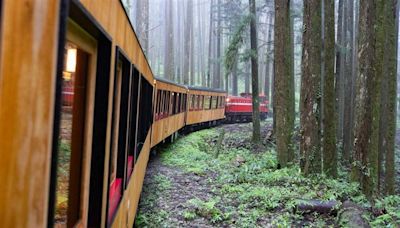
[(329, 152)]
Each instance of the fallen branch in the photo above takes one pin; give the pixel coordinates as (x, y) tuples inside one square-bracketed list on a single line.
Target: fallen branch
[(318, 206)]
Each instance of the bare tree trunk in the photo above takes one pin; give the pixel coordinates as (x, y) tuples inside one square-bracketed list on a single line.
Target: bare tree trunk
[(310, 146), (192, 49), (142, 9), (254, 73), (283, 83), (217, 65), (210, 45), (235, 79), (169, 68), (267, 82), (187, 42), (339, 72), (200, 61), (329, 139), (391, 47), (348, 107), (365, 158)]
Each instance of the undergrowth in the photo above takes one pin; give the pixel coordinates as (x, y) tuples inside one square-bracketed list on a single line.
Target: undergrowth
[(249, 190)]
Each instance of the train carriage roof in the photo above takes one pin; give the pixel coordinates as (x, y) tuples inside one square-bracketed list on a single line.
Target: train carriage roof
[(206, 89), (170, 82)]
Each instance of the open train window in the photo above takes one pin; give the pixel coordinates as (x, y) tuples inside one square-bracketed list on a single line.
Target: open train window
[(177, 103), (145, 114), (133, 113), (200, 102), (119, 132), (74, 148), (158, 105), (185, 96), (207, 100), (173, 104), (166, 104)]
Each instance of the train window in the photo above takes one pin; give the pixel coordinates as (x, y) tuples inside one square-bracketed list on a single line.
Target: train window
[(161, 108), (133, 113), (158, 102), (207, 102), (172, 111), (185, 100), (168, 102), (73, 181), (191, 100), (177, 103), (165, 104), (194, 102), (145, 114), (198, 102)]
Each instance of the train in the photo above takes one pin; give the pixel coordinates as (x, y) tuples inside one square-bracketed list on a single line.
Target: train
[(80, 111), (76, 86), (239, 108)]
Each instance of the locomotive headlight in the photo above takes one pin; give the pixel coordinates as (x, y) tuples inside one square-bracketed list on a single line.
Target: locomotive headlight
[(71, 60), (227, 100)]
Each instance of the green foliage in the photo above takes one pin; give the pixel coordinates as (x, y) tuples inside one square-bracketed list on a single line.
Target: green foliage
[(390, 205), (189, 215), (236, 41), (154, 218), (163, 182), (247, 188), (190, 153), (207, 209)]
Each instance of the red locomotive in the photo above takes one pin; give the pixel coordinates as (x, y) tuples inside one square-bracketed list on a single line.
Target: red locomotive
[(239, 108)]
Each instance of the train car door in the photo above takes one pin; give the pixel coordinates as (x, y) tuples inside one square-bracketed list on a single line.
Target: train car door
[(75, 140)]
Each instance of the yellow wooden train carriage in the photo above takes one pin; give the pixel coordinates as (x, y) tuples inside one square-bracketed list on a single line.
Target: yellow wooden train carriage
[(129, 112), (205, 105), (80, 63), (169, 110), (85, 52), (28, 64)]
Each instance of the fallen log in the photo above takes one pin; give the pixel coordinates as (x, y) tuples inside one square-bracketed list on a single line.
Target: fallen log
[(318, 206)]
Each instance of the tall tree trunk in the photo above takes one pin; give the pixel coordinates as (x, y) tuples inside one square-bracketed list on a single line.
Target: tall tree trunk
[(217, 65), (370, 52), (391, 47), (339, 72), (200, 61), (267, 82), (142, 10), (348, 108), (291, 99), (187, 42), (254, 73), (329, 139), (310, 146), (210, 45), (192, 50), (246, 77), (235, 78), (169, 68), (283, 83)]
